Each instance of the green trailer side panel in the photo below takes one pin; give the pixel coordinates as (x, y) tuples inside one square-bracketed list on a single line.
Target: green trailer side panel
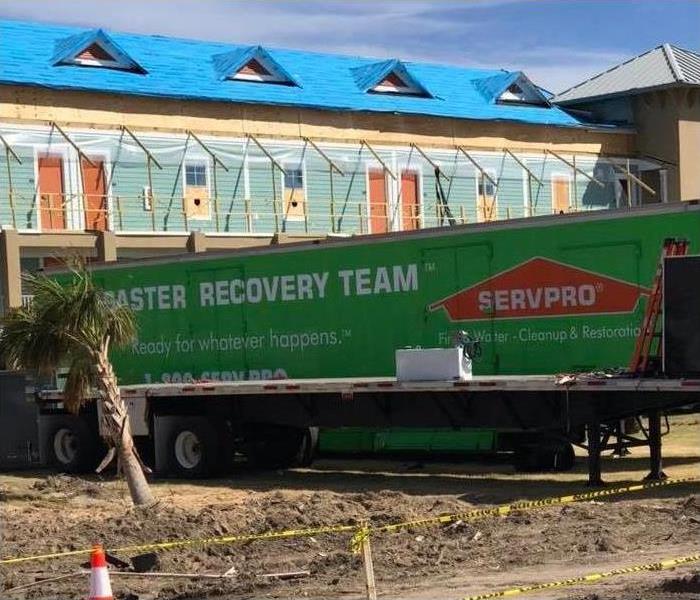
[(544, 296)]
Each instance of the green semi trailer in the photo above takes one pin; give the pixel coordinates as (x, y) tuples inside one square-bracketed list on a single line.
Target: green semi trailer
[(543, 295)]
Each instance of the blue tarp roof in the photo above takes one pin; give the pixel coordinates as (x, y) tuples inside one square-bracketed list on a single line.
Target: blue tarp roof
[(192, 70)]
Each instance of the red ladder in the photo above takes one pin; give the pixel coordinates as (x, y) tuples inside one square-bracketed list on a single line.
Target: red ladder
[(648, 334)]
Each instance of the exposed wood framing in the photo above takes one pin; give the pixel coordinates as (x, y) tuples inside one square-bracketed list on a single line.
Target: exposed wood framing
[(523, 165), (430, 161), (150, 156), (379, 159), (9, 150), (478, 166), (330, 162), (265, 152), (207, 149), (75, 146), (575, 168), (631, 176)]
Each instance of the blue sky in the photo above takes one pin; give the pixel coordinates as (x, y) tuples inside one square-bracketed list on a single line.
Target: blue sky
[(556, 42)]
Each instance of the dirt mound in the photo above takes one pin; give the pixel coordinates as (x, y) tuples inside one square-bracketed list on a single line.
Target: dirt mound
[(68, 486), (682, 585)]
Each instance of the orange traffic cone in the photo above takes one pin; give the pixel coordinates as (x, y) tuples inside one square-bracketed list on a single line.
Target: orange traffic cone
[(100, 588)]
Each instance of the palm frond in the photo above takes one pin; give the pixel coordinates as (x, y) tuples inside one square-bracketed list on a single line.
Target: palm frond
[(79, 382)]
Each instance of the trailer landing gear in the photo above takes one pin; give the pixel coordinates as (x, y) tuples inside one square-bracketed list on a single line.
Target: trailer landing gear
[(599, 435)]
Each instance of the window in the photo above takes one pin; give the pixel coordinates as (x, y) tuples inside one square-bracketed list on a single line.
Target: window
[(522, 91), (196, 174), (294, 197), (294, 179), (486, 187)]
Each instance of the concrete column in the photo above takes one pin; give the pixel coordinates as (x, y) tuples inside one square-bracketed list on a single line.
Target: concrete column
[(106, 246), (197, 242), (10, 270)]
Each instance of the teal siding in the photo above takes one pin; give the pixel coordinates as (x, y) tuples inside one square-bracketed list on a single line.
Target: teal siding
[(334, 203), (23, 186)]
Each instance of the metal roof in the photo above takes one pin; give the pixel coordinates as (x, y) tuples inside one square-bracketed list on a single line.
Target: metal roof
[(663, 66), (197, 70)]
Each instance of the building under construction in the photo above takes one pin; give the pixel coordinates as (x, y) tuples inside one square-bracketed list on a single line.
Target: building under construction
[(118, 146)]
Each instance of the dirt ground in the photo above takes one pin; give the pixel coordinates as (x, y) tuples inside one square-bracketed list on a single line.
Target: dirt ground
[(43, 513)]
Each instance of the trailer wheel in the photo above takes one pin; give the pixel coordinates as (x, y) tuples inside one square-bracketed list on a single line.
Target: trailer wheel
[(191, 448), (279, 447), (69, 444), (554, 456)]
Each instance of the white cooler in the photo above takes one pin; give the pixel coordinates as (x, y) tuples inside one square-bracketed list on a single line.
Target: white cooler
[(432, 364)]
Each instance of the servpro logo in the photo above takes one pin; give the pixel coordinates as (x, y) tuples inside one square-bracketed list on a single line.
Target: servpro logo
[(541, 287)]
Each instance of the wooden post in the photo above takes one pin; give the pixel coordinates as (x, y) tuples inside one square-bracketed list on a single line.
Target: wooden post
[(359, 212), (119, 211), (330, 172), (216, 197), (368, 566), (461, 214), (274, 198), (629, 185), (573, 161), (151, 195), (10, 190), (247, 216)]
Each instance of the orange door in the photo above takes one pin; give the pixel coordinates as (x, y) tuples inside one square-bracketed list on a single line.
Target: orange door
[(410, 209), (51, 210), (378, 212), (560, 194), (94, 194)]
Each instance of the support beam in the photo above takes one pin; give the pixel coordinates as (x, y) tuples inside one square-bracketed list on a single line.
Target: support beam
[(575, 168), (197, 242), (265, 152), (138, 142), (208, 150), (9, 150), (10, 269), (655, 468), (594, 449), (523, 165), (330, 162), (378, 158), (631, 176), (106, 246), (430, 161), (472, 160), (75, 146)]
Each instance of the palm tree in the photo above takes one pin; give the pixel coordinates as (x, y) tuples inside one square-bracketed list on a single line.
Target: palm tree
[(74, 324)]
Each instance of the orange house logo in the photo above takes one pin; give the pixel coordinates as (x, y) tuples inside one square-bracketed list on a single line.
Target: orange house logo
[(541, 287)]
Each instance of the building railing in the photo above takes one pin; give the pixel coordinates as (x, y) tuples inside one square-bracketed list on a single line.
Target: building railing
[(60, 212)]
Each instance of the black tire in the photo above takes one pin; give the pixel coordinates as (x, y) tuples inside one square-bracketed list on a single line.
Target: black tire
[(552, 456), (192, 448), (278, 447), (69, 444)]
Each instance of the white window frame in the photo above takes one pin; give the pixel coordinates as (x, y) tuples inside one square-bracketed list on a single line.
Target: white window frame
[(300, 166), (374, 165), (199, 159), (663, 185), (560, 175), (491, 172)]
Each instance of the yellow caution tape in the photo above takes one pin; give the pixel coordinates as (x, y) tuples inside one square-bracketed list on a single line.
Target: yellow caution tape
[(360, 531), (168, 545), (506, 509), (590, 578)]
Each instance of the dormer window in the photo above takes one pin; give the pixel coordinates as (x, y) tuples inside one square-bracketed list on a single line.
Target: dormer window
[(389, 77), (94, 49), (253, 64), (254, 70), (393, 84), (96, 56), (523, 91)]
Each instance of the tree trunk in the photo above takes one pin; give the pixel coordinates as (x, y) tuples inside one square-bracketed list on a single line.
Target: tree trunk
[(116, 428)]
